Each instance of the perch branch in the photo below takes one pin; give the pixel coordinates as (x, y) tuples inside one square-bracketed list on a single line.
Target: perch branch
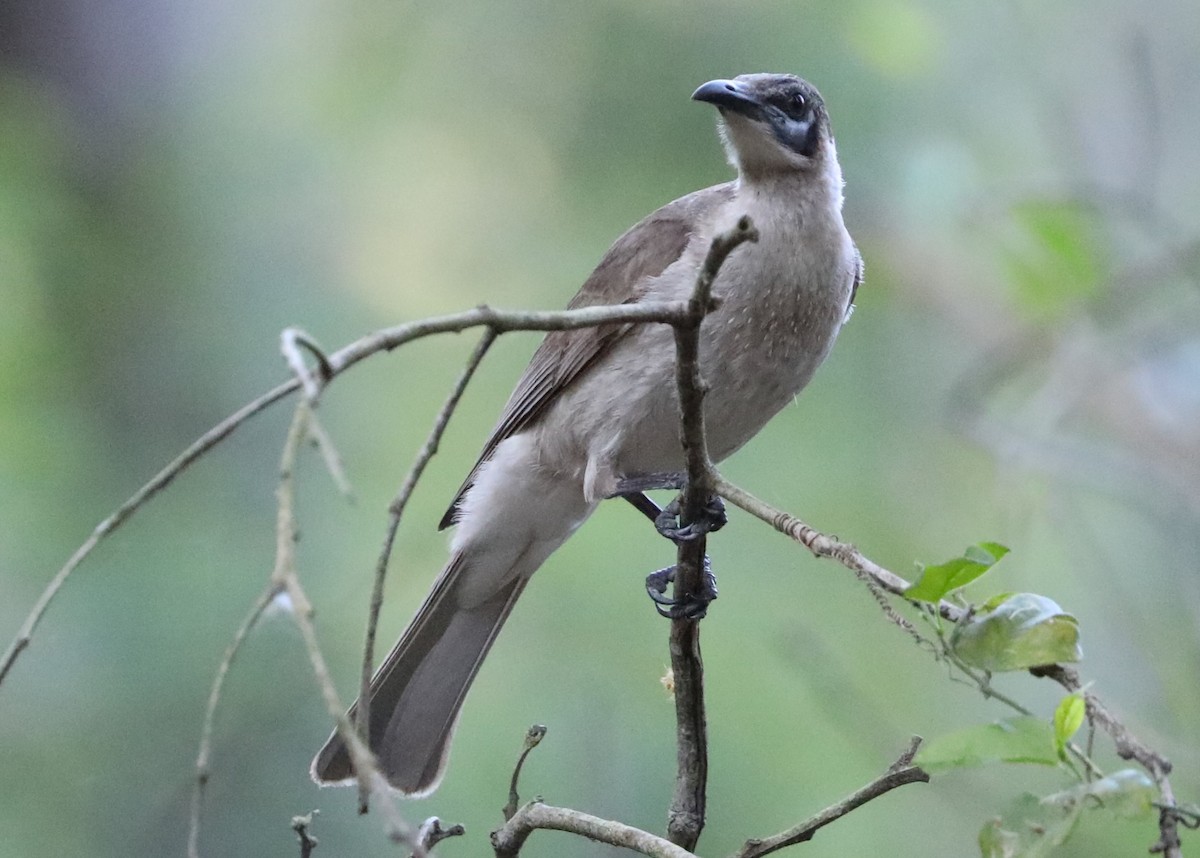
[(510, 837), (685, 818)]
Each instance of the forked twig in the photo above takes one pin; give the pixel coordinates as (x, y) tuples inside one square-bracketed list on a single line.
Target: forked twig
[(284, 580), (533, 737)]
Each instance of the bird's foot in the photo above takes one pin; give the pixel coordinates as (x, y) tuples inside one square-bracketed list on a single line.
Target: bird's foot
[(692, 606), (712, 518), (666, 520)]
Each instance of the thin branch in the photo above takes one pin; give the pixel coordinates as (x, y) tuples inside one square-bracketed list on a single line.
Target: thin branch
[(431, 833), (285, 581), (210, 714), (330, 455), (898, 774), (533, 738), (284, 575), (1128, 746), (337, 363), (105, 528), (396, 509), (510, 837), (397, 828), (300, 825), (685, 818), (822, 545), (291, 342), (284, 542)]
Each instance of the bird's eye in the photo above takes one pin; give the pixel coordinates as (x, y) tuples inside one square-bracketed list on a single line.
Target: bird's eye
[(797, 100)]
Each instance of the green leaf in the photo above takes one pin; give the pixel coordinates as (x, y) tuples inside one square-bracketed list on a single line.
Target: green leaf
[(1068, 718), (996, 841), (995, 602), (1030, 828), (1126, 794), (1023, 739), (1023, 631), (937, 581), (1034, 828), (985, 553)]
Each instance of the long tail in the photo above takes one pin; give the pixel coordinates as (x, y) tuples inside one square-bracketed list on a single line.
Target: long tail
[(417, 692)]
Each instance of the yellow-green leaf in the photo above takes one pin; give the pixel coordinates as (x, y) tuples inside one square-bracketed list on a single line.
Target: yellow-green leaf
[(937, 581), (1068, 718), (1023, 631)]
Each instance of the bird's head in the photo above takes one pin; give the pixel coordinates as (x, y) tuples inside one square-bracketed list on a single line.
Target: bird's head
[(773, 123)]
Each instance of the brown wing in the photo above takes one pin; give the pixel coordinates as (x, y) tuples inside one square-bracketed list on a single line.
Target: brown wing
[(644, 251)]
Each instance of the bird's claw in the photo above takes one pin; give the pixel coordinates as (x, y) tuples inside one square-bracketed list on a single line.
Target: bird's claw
[(693, 606), (713, 518)]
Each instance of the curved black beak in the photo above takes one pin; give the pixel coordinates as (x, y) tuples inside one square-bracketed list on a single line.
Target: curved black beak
[(728, 95)]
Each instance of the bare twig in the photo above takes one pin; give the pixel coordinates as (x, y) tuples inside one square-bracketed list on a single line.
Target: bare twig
[(291, 342), (1127, 745), (397, 828), (685, 819), (533, 737), (335, 364), (285, 581), (300, 825), (820, 544), (284, 575), (510, 837), (396, 508), (329, 454), (118, 517), (898, 774), (210, 713), (686, 816), (431, 833)]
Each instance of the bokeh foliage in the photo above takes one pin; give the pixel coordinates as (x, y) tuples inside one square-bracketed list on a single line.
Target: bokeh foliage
[(180, 181)]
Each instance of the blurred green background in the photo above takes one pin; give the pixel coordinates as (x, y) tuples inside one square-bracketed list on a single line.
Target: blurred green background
[(179, 181)]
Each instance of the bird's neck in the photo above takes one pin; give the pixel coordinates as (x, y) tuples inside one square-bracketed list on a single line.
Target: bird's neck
[(811, 195)]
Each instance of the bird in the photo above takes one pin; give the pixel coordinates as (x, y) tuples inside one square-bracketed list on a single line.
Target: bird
[(598, 407)]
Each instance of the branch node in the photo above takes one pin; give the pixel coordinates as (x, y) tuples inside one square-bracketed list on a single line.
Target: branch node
[(431, 833), (291, 342), (533, 737), (300, 825)]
